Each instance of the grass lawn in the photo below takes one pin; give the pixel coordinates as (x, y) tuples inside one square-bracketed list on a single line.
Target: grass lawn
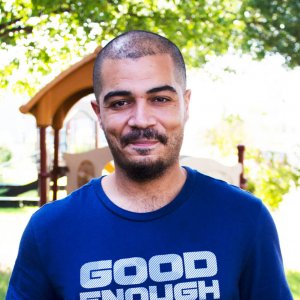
[(293, 278), (8, 218), (4, 279)]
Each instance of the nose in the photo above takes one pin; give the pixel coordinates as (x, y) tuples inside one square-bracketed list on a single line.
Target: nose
[(142, 116)]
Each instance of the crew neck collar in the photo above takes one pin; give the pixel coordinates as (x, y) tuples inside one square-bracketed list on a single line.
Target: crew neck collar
[(181, 197)]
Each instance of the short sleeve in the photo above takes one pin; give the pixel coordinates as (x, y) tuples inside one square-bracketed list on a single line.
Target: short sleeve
[(263, 276), (28, 280)]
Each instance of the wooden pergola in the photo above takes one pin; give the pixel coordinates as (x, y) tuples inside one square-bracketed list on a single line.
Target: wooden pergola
[(50, 107)]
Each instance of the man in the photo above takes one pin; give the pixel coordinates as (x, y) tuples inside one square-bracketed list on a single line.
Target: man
[(152, 229)]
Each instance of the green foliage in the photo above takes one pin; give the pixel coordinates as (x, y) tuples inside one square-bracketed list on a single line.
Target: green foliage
[(269, 174), (5, 154), (4, 280), (272, 26), (232, 126), (293, 278), (46, 36)]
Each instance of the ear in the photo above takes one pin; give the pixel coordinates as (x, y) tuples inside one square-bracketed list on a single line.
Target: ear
[(96, 109), (187, 98)]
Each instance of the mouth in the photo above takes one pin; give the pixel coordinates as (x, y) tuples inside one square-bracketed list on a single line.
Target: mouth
[(143, 138), (143, 143), (143, 147)]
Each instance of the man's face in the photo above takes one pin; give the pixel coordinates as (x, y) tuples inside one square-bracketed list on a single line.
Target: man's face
[(142, 110)]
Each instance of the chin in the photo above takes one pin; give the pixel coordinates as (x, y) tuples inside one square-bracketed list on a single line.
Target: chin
[(144, 164), (145, 170)]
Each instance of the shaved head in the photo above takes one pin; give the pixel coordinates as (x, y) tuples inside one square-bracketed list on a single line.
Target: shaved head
[(136, 44)]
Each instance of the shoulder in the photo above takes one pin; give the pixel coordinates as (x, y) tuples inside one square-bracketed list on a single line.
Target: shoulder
[(68, 207), (229, 199), (216, 187), (230, 206)]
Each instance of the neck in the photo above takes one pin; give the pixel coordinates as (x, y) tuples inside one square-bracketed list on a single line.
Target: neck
[(144, 196)]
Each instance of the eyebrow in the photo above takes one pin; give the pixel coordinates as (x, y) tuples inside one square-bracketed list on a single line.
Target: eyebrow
[(121, 93), (116, 93), (161, 89)]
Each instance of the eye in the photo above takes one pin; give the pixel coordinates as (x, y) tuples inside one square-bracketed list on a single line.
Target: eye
[(119, 104), (161, 99)]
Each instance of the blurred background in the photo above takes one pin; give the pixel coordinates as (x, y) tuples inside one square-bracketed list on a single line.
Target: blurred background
[(243, 69)]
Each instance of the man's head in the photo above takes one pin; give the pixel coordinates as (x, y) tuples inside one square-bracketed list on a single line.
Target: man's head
[(136, 44), (142, 103)]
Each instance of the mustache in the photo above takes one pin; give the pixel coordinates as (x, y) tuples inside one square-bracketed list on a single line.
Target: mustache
[(148, 133)]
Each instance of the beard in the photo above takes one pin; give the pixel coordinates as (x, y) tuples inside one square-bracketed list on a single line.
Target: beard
[(146, 169)]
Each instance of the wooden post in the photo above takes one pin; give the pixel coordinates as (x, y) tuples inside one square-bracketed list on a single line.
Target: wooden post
[(55, 170), (241, 154), (43, 175)]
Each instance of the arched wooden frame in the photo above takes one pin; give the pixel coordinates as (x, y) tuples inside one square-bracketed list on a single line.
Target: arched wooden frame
[(50, 107)]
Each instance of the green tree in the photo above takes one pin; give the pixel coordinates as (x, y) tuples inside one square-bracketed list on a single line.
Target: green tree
[(5, 154), (229, 133), (269, 175), (272, 27), (45, 36)]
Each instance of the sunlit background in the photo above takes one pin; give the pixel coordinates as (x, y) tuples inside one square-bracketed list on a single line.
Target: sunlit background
[(235, 100)]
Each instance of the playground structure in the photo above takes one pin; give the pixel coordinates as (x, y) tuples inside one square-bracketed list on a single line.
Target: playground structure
[(50, 107)]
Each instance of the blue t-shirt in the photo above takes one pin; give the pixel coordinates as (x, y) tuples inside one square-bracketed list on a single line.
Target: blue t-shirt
[(213, 241)]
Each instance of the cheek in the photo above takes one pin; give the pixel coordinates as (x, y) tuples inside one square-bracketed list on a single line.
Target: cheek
[(113, 126), (173, 121)]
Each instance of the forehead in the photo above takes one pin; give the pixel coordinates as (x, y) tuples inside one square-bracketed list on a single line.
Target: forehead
[(144, 72)]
